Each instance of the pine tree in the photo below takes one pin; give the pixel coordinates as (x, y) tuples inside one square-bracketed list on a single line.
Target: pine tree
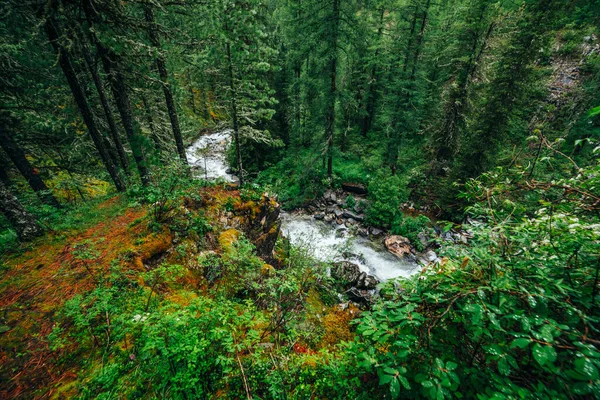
[(24, 223)]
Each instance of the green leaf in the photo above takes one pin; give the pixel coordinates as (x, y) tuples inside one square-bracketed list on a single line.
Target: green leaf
[(395, 388), (594, 111), (586, 367), (544, 354), (427, 384), (451, 365), (520, 343)]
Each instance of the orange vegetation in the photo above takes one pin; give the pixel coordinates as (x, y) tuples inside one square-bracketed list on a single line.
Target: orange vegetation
[(37, 282)]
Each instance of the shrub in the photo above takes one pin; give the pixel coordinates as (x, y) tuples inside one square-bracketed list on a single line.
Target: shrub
[(410, 227), (386, 193)]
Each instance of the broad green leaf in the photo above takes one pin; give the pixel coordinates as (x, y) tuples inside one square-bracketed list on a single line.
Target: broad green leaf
[(520, 343), (543, 354)]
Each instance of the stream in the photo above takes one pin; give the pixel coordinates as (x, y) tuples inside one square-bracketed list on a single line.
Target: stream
[(323, 241)]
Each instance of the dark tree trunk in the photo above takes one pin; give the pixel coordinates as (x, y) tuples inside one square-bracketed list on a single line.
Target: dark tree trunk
[(17, 155), (150, 121), (82, 104), (120, 93), (164, 77), (24, 223), (370, 100), (234, 116), (114, 133)]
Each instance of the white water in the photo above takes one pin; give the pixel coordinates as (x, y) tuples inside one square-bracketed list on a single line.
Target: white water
[(317, 237), (329, 244), (207, 156)]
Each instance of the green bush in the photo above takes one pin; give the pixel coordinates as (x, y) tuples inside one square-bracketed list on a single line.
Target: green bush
[(386, 194), (410, 227)]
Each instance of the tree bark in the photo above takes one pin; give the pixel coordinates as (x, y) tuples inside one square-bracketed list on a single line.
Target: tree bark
[(82, 104), (164, 77), (24, 223), (17, 156), (234, 117), (120, 93), (110, 119)]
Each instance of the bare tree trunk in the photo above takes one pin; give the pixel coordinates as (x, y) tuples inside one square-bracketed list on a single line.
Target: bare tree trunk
[(24, 223), (164, 77), (17, 155), (82, 104)]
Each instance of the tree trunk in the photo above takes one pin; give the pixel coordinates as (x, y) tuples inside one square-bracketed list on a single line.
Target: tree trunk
[(110, 119), (121, 95), (24, 223), (82, 104), (370, 98), (234, 116), (164, 77), (150, 122), (330, 119), (17, 155)]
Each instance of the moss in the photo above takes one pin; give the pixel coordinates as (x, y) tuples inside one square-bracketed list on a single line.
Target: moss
[(228, 237)]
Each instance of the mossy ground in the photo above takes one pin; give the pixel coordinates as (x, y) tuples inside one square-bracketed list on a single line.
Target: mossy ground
[(38, 279)]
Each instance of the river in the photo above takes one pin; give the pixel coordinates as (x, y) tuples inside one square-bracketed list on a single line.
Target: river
[(323, 241)]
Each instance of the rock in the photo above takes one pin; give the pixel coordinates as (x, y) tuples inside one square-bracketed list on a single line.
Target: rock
[(345, 272), (319, 216), (375, 232), (350, 223), (398, 245), (329, 218), (338, 212), (427, 257), (263, 229), (350, 214), (358, 296), (423, 239), (363, 232), (341, 232), (366, 281), (354, 188)]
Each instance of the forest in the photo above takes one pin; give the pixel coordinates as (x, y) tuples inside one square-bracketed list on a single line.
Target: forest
[(300, 199)]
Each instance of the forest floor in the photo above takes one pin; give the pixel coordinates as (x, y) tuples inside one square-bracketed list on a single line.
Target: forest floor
[(38, 279)]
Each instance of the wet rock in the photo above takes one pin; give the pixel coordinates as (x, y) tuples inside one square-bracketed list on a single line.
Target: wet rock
[(341, 232), (363, 232), (398, 245), (366, 281), (356, 188), (350, 223), (362, 297), (338, 212), (375, 232), (329, 218), (350, 214), (345, 272), (319, 216), (427, 257)]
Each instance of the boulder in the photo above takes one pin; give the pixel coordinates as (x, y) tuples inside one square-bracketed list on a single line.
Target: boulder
[(345, 272), (363, 232), (375, 232), (398, 245), (366, 281), (319, 216), (362, 297), (329, 218), (356, 188), (354, 216), (338, 212)]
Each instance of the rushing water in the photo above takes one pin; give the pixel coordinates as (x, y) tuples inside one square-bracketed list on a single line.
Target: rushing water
[(207, 156), (328, 243), (325, 242)]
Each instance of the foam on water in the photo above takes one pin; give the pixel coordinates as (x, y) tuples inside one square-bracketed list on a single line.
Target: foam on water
[(213, 165), (325, 244)]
